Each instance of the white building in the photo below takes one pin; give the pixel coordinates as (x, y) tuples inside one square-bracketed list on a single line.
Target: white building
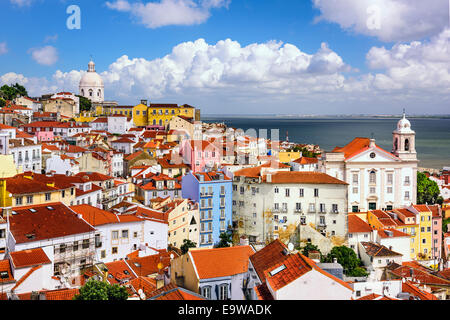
[(376, 258), (377, 179), (267, 202), (118, 235), (118, 124), (91, 85), (389, 288)]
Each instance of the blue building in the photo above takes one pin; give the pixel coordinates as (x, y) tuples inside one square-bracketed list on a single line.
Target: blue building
[(213, 192)]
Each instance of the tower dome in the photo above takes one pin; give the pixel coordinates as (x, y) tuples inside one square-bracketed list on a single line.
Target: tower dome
[(91, 84), (404, 125)]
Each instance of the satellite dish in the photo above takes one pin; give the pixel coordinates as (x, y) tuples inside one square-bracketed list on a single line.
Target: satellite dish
[(140, 292), (290, 246), (171, 256), (142, 295)]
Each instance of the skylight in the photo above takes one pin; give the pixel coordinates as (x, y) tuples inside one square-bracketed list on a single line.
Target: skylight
[(277, 270)]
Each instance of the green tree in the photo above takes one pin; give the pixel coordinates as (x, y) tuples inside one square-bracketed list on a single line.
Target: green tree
[(11, 92), (348, 259), (101, 290), (186, 245), (85, 104), (427, 190), (2, 103), (310, 247), (226, 239)]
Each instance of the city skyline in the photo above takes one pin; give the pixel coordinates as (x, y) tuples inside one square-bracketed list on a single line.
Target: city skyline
[(294, 57)]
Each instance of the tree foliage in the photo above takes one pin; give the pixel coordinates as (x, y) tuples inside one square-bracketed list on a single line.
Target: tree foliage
[(85, 104), (101, 290), (310, 247), (226, 239), (186, 245), (427, 190), (347, 258), (13, 91)]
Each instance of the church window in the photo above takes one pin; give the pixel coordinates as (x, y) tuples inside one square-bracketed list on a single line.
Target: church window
[(373, 177), (90, 93), (396, 144), (99, 93), (407, 145)]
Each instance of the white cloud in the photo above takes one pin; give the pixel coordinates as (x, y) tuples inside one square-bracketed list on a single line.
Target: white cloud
[(414, 66), (272, 77), (3, 48), (47, 55), (168, 12), (399, 20)]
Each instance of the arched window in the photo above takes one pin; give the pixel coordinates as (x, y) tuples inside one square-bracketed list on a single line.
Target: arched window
[(160, 122), (154, 122), (396, 144), (373, 177), (99, 93), (407, 145), (91, 93), (82, 92)]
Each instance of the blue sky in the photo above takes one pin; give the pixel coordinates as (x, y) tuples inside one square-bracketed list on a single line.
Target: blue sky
[(335, 65)]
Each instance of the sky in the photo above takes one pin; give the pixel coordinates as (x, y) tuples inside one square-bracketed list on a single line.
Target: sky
[(296, 57)]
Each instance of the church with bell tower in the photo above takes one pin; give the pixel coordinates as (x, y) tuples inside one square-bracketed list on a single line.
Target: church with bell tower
[(377, 179)]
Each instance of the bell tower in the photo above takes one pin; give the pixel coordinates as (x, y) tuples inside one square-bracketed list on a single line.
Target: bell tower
[(404, 140)]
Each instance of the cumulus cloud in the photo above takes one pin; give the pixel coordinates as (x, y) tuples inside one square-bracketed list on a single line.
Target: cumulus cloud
[(273, 74), (416, 65), (388, 20), (47, 55), (3, 48), (168, 12)]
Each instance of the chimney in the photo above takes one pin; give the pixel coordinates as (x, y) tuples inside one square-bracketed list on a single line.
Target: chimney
[(269, 178), (372, 143)]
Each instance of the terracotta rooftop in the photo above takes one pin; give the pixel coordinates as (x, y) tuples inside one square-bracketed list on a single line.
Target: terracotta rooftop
[(46, 221), (357, 225), (221, 262), (377, 250), (30, 257), (287, 177)]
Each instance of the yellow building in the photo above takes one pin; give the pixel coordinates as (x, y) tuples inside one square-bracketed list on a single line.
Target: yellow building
[(415, 221), (26, 191), (286, 157), (157, 115), (85, 117)]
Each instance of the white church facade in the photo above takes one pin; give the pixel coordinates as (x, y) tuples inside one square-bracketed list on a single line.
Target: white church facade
[(91, 85), (378, 179)]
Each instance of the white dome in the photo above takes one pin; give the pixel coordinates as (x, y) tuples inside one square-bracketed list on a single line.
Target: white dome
[(404, 125), (91, 79)]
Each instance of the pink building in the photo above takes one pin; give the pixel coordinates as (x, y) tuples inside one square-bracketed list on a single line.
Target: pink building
[(201, 155), (437, 230), (44, 135)]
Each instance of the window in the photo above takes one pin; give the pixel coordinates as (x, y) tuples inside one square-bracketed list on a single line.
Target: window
[(223, 292), (316, 193), (335, 208), (48, 196), (115, 235), (287, 192), (62, 248), (373, 177), (302, 193), (135, 234), (298, 207), (2, 233), (114, 250), (389, 190), (206, 292), (355, 178), (355, 209), (276, 190), (390, 178), (322, 208), (19, 201), (406, 195), (85, 244)]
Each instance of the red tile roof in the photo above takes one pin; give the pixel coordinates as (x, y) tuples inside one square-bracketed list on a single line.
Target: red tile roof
[(221, 262), (6, 267), (286, 177), (357, 225), (172, 292), (46, 223), (30, 257), (119, 271), (410, 288)]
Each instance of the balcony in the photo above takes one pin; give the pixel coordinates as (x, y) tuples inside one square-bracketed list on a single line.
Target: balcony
[(206, 194), (298, 211), (312, 210)]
